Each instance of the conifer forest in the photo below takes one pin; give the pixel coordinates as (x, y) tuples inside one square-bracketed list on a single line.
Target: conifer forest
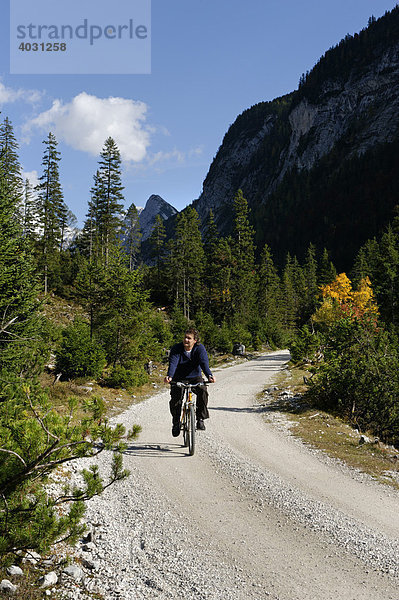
[(343, 326)]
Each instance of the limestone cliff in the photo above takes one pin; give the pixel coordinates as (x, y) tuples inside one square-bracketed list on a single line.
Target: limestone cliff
[(347, 107)]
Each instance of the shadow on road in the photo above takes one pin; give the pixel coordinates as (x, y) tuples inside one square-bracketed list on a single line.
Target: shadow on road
[(257, 368), (157, 450), (247, 409)]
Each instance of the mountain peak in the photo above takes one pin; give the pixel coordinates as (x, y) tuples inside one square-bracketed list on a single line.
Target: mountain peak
[(155, 205)]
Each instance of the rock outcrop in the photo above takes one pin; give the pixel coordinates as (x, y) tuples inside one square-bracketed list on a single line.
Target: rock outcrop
[(155, 205)]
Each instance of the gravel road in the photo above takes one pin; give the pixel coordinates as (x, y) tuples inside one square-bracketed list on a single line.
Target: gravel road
[(254, 514)]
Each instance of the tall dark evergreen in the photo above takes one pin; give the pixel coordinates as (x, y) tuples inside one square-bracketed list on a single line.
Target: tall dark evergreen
[(29, 213), (187, 262), (311, 289), (13, 184), (19, 323), (211, 240), (243, 284), (132, 236), (108, 196), (327, 272), (386, 276), (288, 294), (157, 242), (220, 278), (269, 296), (51, 212)]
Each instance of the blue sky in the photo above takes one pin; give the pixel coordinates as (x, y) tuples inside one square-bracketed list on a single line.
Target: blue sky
[(210, 61)]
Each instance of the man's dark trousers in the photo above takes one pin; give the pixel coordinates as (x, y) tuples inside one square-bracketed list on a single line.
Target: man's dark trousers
[(176, 398)]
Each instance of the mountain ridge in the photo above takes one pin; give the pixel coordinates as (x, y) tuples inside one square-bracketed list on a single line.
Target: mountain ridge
[(346, 109)]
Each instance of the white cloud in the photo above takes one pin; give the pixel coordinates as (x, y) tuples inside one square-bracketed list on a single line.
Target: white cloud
[(32, 176), (9, 95), (87, 121), (174, 155), (196, 151)]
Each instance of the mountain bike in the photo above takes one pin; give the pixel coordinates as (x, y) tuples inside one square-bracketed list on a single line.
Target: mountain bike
[(187, 418)]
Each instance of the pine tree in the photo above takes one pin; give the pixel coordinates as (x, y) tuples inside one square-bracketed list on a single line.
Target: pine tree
[(52, 210), (186, 263), (132, 234), (19, 324), (220, 281), (29, 213), (108, 197), (243, 284), (386, 277), (211, 240), (269, 296), (327, 271), (288, 293), (157, 242), (311, 291), (12, 180), (120, 321), (366, 261)]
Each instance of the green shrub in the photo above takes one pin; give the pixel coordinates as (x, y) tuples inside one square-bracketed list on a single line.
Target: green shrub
[(359, 378), (79, 355), (305, 345), (121, 377)]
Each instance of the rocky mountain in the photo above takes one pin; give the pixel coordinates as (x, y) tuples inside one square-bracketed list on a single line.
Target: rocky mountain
[(155, 205), (320, 164)]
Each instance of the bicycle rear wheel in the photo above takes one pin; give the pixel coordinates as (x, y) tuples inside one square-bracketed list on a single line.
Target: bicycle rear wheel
[(185, 428), (191, 431)]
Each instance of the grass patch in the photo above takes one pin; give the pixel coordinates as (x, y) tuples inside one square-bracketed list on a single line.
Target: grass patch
[(327, 432)]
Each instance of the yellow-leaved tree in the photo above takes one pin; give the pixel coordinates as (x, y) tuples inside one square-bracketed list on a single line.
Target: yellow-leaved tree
[(340, 300)]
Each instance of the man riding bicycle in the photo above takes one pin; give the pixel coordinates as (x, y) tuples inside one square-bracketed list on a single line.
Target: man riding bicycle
[(186, 361)]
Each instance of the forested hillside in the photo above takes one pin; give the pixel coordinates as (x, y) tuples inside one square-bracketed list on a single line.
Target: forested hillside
[(318, 165)]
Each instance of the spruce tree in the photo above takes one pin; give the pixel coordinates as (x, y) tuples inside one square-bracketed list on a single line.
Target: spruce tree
[(366, 261), (51, 211), (243, 284), (269, 296), (132, 235), (220, 281), (187, 262), (108, 197), (211, 240), (157, 243), (288, 293), (327, 272), (29, 213), (12, 180), (386, 277), (19, 324), (311, 291)]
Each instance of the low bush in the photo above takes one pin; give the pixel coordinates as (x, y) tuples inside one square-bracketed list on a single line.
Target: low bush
[(78, 354), (359, 377), (121, 377)]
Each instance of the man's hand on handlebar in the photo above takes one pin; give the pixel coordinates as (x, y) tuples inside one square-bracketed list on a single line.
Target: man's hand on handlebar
[(168, 379)]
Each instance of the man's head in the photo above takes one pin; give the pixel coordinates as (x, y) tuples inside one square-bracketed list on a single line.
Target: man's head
[(191, 336)]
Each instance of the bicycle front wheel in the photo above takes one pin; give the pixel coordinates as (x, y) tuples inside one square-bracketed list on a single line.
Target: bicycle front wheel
[(191, 431), (186, 424)]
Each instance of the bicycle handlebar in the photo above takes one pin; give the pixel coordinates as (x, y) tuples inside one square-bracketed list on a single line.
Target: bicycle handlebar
[(183, 384)]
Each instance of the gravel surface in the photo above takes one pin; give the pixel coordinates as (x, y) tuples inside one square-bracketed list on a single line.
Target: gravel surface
[(254, 514)]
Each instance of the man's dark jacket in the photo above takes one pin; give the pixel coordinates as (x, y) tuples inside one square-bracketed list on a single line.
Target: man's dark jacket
[(182, 367)]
